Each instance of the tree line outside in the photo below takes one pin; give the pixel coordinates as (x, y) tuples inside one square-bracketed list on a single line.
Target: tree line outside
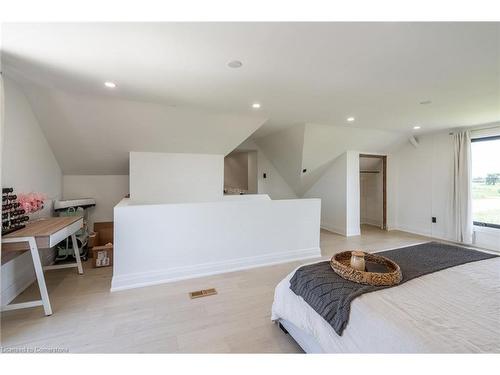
[(490, 179)]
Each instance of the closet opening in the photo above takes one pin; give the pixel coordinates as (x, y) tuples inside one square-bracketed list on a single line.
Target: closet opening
[(373, 190)]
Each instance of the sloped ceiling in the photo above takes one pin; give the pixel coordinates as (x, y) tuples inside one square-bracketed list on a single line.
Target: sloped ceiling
[(300, 72), (284, 149), (175, 92), (94, 135), (314, 147), (324, 143)]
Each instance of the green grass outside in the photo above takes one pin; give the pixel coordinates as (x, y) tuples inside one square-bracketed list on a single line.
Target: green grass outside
[(486, 203), (483, 191), (490, 216)]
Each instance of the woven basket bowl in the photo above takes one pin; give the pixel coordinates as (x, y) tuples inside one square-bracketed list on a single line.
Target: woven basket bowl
[(341, 264)]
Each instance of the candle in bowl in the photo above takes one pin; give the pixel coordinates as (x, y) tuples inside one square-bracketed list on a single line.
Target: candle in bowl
[(358, 260)]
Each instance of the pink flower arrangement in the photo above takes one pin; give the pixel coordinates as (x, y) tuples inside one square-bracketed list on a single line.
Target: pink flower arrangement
[(31, 202)]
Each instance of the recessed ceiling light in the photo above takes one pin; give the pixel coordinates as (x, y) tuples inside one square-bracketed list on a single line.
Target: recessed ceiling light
[(256, 105), (416, 127), (351, 119), (235, 64), (109, 84)]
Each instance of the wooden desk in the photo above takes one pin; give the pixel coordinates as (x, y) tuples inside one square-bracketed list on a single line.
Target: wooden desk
[(44, 233)]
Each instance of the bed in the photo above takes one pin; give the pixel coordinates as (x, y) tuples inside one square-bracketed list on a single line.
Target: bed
[(456, 310)]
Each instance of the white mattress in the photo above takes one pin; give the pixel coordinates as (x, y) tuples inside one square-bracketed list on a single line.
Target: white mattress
[(456, 310)]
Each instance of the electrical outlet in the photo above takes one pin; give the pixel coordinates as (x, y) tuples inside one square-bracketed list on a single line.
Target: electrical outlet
[(434, 219)]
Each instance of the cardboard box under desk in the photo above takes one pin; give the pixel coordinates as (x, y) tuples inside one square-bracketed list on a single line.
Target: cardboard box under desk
[(99, 240), (102, 256), (105, 230)]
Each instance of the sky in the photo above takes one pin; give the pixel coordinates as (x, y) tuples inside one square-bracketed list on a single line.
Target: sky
[(485, 158)]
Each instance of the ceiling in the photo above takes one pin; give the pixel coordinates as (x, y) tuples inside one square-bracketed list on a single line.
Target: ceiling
[(299, 72), (303, 153), (94, 135)]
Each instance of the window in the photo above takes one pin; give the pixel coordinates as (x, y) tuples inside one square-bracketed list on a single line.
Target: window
[(486, 181)]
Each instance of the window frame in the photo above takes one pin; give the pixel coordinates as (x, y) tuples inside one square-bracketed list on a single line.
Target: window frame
[(483, 139)]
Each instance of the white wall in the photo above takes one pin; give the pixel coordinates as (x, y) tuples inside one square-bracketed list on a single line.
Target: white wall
[(155, 243), (352, 194), (392, 191), (314, 146), (338, 189), (284, 150), (331, 188), (108, 191), (274, 184), (28, 165), (323, 143), (423, 182), (175, 178)]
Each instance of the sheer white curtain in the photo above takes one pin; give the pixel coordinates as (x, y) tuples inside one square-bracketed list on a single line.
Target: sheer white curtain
[(462, 186)]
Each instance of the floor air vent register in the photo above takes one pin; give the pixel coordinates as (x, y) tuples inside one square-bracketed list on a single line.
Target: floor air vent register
[(203, 293)]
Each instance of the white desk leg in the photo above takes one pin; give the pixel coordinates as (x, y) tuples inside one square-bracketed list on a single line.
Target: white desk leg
[(77, 254), (39, 276)]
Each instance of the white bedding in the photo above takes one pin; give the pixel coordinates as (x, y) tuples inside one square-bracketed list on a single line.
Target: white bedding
[(456, 310)]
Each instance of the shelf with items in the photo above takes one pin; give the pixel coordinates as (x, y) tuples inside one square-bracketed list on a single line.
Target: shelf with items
[(13, 216)]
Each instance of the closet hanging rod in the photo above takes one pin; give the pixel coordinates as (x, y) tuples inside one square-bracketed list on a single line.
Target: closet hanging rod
[(369, 171)]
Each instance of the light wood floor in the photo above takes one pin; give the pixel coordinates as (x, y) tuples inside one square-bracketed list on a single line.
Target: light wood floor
[(88, 318)]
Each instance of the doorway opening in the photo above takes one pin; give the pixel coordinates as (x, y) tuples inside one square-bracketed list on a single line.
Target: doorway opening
[(240, 173), (373, 190)]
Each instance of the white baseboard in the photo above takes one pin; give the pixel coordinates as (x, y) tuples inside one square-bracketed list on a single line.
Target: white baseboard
[(334, 229), (337, 230), (138, 280), (419, 232), (426, 233), (375, 223)]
